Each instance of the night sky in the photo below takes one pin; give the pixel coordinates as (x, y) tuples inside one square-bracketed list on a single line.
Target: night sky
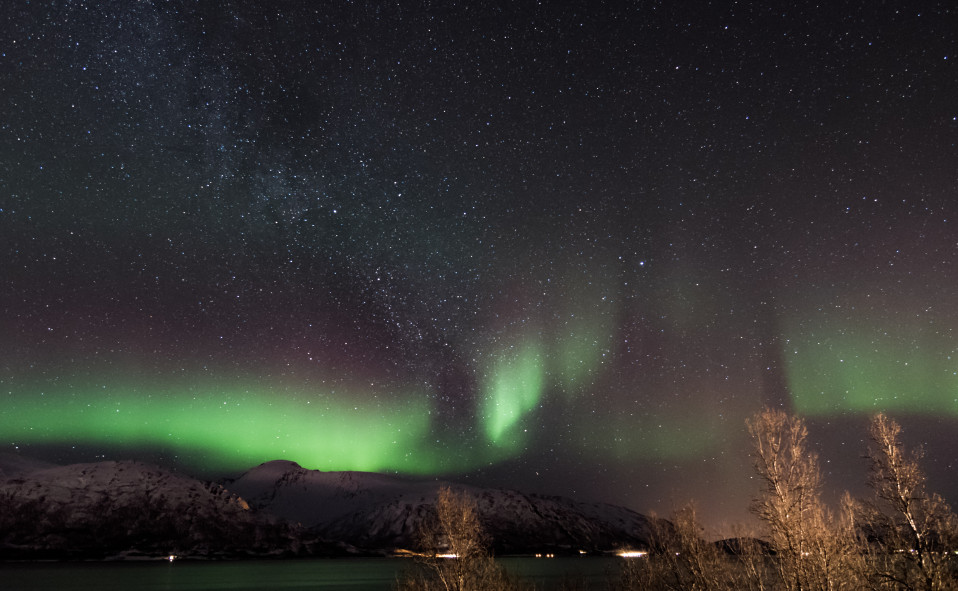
[(562, 247)]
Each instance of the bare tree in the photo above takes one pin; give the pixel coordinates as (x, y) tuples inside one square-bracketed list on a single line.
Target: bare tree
[(911, 528), (700, 564), (810, 551), (751, 559), (695, 563), (454, 554), (681, 558)]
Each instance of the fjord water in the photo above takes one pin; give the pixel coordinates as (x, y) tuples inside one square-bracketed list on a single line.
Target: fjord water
[(355, 574)]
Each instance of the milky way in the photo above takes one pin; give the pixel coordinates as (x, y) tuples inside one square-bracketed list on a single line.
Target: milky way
[(567, 249)]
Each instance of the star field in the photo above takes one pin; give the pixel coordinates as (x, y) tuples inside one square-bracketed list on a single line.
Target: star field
[(560, 247)]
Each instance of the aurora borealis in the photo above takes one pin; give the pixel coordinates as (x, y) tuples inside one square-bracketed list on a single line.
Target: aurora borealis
[(565, 247)]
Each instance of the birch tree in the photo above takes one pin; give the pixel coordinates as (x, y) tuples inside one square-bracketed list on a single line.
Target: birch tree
[(455, 555), (809, 547), (913, 529)]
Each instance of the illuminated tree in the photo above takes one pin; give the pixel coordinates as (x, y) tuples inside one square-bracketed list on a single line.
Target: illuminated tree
[(909, 529), (810, 547), (681, 559)]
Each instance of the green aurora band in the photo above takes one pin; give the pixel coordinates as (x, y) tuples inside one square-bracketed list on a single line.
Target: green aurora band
[(858, 365), (236, 427), (237, 422)]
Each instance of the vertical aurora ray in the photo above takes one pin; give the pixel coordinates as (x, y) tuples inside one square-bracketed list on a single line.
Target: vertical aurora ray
[(513, 389), (583, 336)]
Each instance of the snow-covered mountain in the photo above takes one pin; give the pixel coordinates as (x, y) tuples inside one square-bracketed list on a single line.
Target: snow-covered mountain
[(108, 508), (377, 511)]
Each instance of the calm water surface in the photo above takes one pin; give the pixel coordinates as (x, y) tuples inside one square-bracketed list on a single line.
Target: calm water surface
[(357, 574)]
